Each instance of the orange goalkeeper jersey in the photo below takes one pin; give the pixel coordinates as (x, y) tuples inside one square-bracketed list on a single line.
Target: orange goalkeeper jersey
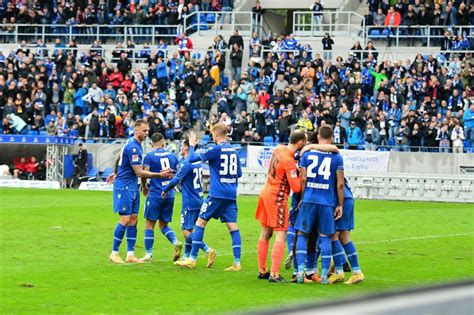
[(272, 209)]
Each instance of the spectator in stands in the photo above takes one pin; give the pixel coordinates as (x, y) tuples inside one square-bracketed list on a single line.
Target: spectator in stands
[(457, 137), (402, 134), (354, 136), (19, 168), (371, 137), (236, 39), (227, 6), (415, 137), (236, 60), (257, 14), (327, 46), (31, 168), (317, 7), (392, 21), (444, 138), (468, 119)]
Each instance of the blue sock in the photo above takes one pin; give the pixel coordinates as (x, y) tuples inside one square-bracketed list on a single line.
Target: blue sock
[(351, 253), (118, 237), (188, 242), (295, 265), (149, 239), (204, 247), (338, 255), (169, 233), (301, 248), (310, 262), (198, 235), (290, 238), (131, 237), (236, 245), (326, 251)]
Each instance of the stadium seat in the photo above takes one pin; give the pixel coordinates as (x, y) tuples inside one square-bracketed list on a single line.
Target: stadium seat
[(374, 33), (467, 144), (268, 141), (90, 141), (106, 173), (391, 142), (32, 133), (225, 81), (211, 18), (92, 174)]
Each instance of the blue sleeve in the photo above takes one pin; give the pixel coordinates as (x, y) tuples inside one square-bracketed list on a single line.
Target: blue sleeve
[(183, 171), (339, 162), (147, 160), (304, 160), (134, 155), (211, 154), (239, 168), (175, 163)]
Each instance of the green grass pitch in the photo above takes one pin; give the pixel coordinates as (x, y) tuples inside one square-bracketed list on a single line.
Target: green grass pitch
[(54, 246)]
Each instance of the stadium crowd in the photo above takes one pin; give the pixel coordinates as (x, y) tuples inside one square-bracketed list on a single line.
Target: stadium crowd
[(412, 19), (106, 17), (421, 103)]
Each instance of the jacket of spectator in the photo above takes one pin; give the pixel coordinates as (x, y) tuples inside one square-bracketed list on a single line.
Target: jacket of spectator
[(401, 134), (236, 57), (354, 135), (236, 39), (372, 135)]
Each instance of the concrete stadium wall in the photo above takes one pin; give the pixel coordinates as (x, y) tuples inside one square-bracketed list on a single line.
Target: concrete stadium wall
[(429, 163)]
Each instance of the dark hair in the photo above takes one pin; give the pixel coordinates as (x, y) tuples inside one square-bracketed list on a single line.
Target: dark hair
[(296, 136), (157, 137), (140, 122), (313, 138), (325, 132)]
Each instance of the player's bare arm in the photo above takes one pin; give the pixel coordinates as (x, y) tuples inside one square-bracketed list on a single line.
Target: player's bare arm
[(143, 180), (111, 177), (320, 147), (140, 172), (340, 193), (303, 175)]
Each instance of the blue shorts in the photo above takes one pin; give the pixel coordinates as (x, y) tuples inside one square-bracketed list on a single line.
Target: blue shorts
[(312, 216), (346, 222), (293, 215), (224, 209), (126, 202), (189, 218), (159, 209)]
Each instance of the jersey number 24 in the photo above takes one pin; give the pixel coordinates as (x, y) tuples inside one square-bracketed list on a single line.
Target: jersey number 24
[(323, 170)]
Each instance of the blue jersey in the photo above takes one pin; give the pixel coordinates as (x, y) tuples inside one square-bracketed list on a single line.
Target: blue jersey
[(189, 175), (321, 168), (347, 191), (295, 200), (225, 170), (131, 155), (158, 160)]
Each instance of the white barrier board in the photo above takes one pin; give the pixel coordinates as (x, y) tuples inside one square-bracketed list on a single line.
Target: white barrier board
[(17, 183)]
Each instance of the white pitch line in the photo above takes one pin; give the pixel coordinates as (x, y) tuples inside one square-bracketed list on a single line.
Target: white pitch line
[(414, 238)]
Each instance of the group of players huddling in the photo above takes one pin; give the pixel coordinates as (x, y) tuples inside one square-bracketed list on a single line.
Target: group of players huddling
[(318, 223)]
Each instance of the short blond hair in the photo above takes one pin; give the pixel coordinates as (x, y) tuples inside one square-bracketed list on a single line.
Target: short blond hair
[(220, 130)]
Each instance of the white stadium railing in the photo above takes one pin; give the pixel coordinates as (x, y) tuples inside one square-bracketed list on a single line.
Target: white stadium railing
[(387, 186)]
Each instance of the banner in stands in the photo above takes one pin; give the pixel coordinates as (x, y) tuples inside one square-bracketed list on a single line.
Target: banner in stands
[(242, 153), (16, 183), (370, 161), (95, 186), (35, 139), (259, 157)]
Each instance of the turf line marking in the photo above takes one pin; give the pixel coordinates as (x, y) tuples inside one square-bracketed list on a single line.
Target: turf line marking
[(415, 238)]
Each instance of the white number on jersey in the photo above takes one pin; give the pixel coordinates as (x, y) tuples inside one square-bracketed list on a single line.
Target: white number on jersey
[(324, 169), (197, 178), (228, 164), (165, 163)]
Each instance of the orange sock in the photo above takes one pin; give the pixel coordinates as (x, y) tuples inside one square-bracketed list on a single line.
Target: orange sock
[(277, 257), (262, 250)]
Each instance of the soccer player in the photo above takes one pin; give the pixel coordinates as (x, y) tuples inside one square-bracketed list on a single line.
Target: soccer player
[(128, 167), (322, 175), (189, 174), (221, 203), (343, 230), (158, 208), (272, 208)]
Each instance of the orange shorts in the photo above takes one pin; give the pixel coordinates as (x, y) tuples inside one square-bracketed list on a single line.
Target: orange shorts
[(270, 214)]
